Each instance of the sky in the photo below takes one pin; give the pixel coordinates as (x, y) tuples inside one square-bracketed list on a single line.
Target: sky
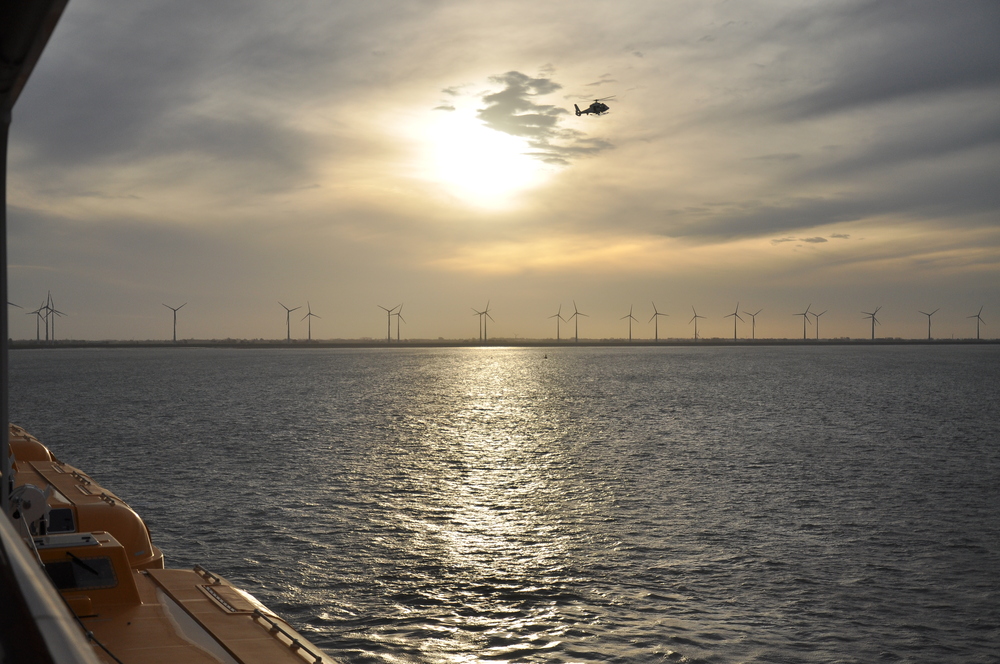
[(237, 156)]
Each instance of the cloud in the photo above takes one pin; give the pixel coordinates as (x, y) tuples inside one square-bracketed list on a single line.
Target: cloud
[(606, 78), (881, 52), (810, 240), (783, 156), (513, 111)]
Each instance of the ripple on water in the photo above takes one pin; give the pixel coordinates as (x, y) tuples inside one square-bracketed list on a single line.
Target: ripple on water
[(613, 505)]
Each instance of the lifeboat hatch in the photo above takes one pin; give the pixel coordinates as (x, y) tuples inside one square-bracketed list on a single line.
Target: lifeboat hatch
[(229, 598)]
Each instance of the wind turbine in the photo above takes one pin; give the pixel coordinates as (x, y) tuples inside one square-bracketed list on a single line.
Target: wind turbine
[(805, 319), (485, 315), (630, 319), (288, 320), (38, 319), (695, 320), (53, 312), (388, 321), (174, 309), (753, 324), (310, 316), (399, 317), (656, 326), (576, 315), (816, 316), (929, 321), (476, 312), (736, 317), (979, 319), (558, 316), (47, 308), (874, 320)]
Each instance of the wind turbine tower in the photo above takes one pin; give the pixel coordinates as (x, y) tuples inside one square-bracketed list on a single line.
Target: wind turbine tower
[(388, 321), (630, 319), (805, 319), (753, 324), (694, 319), (310, 315), (486, 314), (558, 316), (39, 317), (399, 317), (174, 309), (816, 316), (576, 316), (736, 317), (874, 320), (47, 309), (288, 321), (476, 312), (929, 321), (656, 325), (52, 312), (978, 317)]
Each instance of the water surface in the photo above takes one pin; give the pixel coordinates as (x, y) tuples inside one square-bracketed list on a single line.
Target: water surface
[(741, 504)]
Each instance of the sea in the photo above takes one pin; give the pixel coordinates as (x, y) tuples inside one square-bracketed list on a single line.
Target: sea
[(785, 504)]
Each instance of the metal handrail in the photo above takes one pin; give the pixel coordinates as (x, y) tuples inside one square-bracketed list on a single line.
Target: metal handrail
[(295, 643), (216, 580)]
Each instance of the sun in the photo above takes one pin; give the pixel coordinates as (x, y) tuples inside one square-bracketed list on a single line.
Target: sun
[(478, 165)]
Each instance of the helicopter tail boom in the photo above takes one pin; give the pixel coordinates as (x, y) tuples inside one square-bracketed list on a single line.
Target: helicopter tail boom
[(578, 111)]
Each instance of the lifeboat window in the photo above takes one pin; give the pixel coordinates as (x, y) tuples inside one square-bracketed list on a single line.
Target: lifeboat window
[(82, 573), (61, 520)]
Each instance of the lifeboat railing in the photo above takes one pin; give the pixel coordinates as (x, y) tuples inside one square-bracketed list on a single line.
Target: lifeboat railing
[(294, 644)]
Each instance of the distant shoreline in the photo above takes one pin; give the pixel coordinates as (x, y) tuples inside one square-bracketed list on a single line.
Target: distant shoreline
[(492, 343)]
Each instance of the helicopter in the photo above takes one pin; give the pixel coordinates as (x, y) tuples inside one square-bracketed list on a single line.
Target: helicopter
[(597, 108)]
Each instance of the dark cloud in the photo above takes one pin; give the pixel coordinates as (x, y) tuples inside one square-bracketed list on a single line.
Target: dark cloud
[(604, 80), (123, 81), (909, 141), (967, 196), (513, 111), (814, 240), (876, 52), (782, 156)]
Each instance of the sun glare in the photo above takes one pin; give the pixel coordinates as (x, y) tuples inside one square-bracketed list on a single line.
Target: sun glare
[(478, 165)]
